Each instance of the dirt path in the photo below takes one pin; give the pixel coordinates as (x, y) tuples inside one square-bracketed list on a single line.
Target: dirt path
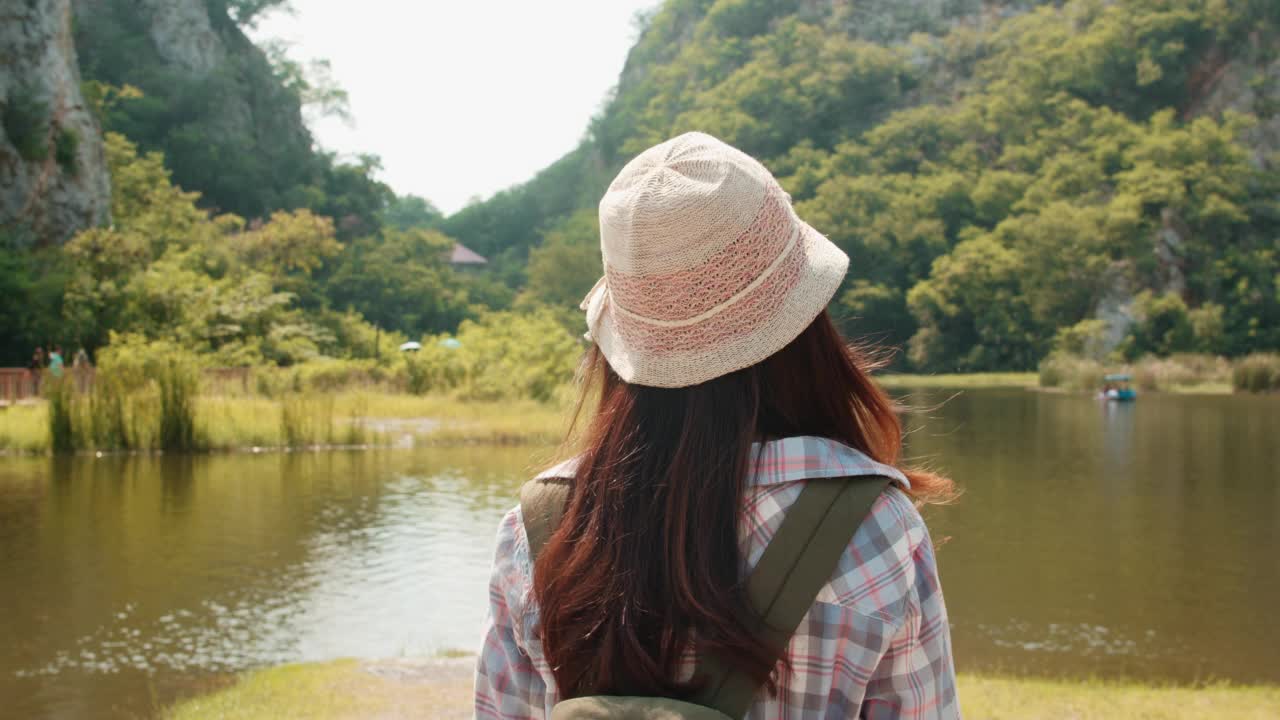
[(413, 684)]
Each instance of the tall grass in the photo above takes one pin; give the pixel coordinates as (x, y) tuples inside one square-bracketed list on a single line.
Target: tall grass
[(178, 383), (1259, 372), (307, 420), (108, 416), (25, 428), (1183, 372), (123, 412), (62, 410)]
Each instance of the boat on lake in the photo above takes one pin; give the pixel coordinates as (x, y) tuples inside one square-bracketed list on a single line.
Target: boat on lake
[(1118, 387)]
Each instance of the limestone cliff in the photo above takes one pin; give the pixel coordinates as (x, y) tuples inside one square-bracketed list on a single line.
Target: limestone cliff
[(53, 174), (228, 123)]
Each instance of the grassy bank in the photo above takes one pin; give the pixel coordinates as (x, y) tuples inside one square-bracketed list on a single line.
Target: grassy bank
[(968, 381), (442, 689), (1001, 698), (227, 420), (301, 420), (1178, 373)]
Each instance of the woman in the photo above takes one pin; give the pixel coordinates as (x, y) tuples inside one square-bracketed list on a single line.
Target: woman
[(722, 391)]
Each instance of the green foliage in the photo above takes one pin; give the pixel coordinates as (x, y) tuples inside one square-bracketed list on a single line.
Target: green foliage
[(501, 356), (1086, 339), (875, 312), (1163, 326), (998, 186), (25, 119), (411, 211), (402, 280), (564, 267), (234, 132), (31, 283), (973, 312), (65, 147)]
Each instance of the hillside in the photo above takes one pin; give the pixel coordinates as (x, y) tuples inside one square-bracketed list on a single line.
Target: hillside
[(1007, 177), (1010, 178)]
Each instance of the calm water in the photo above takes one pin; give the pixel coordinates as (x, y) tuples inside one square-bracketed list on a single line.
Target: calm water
[(1135, 540)]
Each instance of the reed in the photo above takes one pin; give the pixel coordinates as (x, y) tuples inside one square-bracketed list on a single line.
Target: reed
[(178, 383), (61, 395), (111, 429), (1181, 372), (307, 419), (1256, 373)]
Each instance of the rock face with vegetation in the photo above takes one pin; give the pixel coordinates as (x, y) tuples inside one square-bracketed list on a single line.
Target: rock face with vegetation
[(227, 120), (1009, 178), (53, 175)]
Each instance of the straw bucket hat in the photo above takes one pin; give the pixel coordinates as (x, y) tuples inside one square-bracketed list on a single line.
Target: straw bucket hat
[(707, 269)]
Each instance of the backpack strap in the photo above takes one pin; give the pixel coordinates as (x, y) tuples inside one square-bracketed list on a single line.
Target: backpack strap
[(542, 503), (795, 566)]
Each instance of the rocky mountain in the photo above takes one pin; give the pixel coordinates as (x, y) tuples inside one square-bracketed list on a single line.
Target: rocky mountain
[(226, 117), (53, 175)]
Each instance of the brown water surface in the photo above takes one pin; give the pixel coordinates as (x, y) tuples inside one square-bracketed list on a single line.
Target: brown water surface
[(1138, 540)]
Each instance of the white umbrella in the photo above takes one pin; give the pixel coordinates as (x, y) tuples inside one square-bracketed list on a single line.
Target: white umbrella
[(411, 346)]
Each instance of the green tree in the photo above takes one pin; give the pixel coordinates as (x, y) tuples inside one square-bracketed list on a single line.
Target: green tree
[(567, 263)]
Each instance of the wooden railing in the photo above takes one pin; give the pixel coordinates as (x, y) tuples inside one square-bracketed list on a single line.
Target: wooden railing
[(16, 384)]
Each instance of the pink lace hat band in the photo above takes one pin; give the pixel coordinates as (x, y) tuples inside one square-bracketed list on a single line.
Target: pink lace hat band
[(707, 269)]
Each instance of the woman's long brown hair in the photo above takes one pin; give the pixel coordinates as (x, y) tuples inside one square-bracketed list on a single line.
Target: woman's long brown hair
[(647, 554)]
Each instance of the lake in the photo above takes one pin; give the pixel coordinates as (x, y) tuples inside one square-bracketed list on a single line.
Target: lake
[(1134, 540)]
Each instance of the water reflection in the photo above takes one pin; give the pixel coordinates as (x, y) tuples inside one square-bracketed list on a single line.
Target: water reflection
[(1099, 538), (142, 573)]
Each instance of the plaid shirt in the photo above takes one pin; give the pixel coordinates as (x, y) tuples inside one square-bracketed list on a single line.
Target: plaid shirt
[(876, 641)]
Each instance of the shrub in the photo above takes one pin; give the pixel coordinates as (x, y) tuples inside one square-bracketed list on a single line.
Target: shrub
[(1164, 326), (501, 356), (1087, 338), (1070, 372), (26, 125), (1181, 370), (326, 375), (1259, 372), (65, 147)]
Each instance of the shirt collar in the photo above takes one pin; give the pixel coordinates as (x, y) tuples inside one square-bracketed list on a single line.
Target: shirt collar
[(789, 459), (807, 457)]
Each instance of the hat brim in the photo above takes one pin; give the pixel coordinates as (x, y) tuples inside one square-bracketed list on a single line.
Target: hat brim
[(822, 271)]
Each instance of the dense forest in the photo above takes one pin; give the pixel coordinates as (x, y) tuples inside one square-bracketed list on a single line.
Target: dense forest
[(1008, 178)]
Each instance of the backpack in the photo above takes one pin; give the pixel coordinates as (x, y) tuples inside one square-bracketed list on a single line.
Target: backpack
[(795, 566)]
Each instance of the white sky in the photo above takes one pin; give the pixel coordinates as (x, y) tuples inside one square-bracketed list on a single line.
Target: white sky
[(461, 98)]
